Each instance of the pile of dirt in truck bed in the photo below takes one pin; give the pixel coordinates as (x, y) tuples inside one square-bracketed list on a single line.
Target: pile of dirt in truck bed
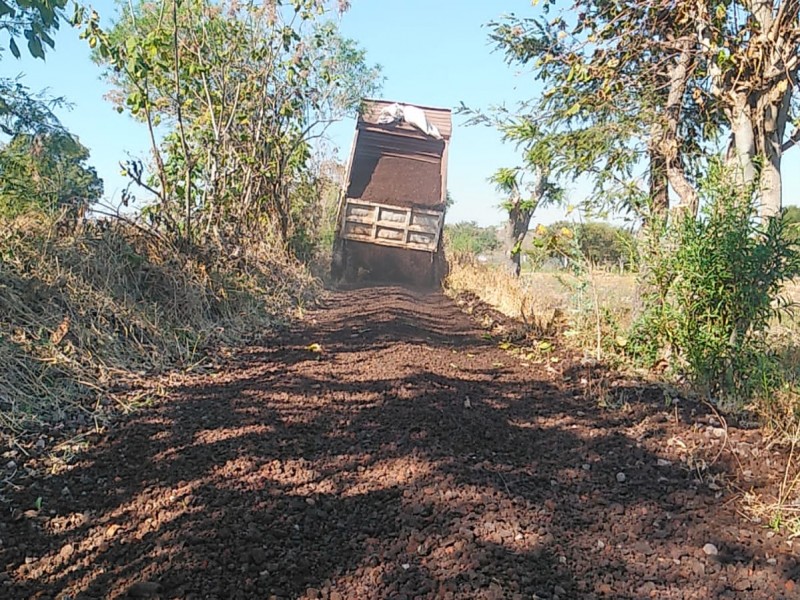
[(389, 449), (396, 181)]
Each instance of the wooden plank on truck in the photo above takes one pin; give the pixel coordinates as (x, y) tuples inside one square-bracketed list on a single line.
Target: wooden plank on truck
[(389, 225)]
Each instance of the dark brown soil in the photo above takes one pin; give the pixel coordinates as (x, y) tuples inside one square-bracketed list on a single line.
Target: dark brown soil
[(396, 180), (409, 458)]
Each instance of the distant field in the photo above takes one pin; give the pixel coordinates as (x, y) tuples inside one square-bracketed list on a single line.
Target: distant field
[(617, 294), (557, 289)]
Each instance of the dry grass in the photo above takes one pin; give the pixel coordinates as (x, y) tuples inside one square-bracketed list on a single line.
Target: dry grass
[(87, 314), (597, 306), (516, 298)]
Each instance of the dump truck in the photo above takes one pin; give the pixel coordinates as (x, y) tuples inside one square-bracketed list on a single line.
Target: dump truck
[(392, 205)]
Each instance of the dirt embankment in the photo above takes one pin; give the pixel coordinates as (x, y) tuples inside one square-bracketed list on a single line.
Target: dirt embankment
[(388, 449)]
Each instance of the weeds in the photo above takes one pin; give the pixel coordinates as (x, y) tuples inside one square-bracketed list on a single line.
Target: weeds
[(87, 314), (512, 296)]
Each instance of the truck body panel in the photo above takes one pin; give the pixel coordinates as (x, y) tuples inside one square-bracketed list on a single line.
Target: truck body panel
[(394, 195)]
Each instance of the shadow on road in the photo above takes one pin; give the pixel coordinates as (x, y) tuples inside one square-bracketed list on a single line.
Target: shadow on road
[(409, 458)]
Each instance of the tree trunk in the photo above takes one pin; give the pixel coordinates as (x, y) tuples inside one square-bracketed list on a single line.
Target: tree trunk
[(514, 232), (665, 135), (743, 147), (775, 115), (659, 196)]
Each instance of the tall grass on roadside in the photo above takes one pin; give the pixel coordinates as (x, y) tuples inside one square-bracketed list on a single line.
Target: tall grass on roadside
[(88, 311), (512, 296), (585, 309)]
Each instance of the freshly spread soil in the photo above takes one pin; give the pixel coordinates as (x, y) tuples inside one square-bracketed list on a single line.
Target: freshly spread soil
[(405, 456)]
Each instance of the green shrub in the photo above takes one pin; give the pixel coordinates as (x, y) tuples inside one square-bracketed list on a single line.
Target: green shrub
[(717, 291)]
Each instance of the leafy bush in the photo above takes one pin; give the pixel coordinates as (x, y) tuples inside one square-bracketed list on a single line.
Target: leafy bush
[(468, 238), (46, 171), (716, 292), (601, 244)]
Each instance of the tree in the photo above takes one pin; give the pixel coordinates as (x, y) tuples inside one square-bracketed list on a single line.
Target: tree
[(22, 111), (467, 237), (666, 79), (237, 92), (599, 243), (520, 206), (791, 219), (46, 171), (35, 20)]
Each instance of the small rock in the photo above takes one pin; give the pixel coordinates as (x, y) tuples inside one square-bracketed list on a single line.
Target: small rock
[(586, 467), (11, 465), (66, 551), (663, 463), (772, 561), (40, 444), (65, 491), (644, 547), (742, 584), (111, 531), (697, 567), (560, 591), (621, 477), (710, 550), (646, 588), (718, 432), (257, 556)]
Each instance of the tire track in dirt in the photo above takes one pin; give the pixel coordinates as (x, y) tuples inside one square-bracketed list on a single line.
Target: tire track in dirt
[(410, 458)]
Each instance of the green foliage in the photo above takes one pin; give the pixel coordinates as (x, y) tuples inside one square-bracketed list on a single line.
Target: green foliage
[(592, 117), (791, 221), (605, 244), (237, 94), (47, 172), (468, 238), (599, 243), (715, 292), (22, 111), (35, 20), (42, 165)]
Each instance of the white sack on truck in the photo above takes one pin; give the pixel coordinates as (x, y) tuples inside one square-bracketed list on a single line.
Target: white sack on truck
[(413, 115)]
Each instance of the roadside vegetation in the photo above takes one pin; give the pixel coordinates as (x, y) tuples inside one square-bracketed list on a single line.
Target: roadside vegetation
[(680, 120), (211, 244)]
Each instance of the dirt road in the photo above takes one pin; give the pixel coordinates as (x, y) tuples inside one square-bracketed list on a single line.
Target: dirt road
[(406, 456)]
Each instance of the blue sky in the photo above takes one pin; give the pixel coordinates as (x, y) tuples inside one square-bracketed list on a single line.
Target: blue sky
[(432, 52)]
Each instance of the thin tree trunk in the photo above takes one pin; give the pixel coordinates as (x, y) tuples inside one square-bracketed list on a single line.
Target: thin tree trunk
[(659, 196), (514, 232), (667, 134), (743, 147), (775, 116)]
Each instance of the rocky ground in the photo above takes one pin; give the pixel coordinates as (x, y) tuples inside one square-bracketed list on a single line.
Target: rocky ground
[(389, 448)]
